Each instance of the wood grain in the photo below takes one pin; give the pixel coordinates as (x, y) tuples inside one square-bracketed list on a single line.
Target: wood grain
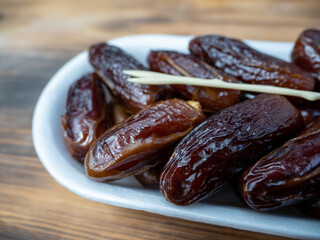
[(37, 37), (75, 24)]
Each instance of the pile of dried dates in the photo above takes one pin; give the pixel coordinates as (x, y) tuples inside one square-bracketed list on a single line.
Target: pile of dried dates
[(192, 141)]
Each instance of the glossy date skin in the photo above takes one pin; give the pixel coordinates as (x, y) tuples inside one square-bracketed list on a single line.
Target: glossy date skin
[(223, 145), (151, 177), (86, 115), (248, 65), (175, 63), (306, 52), (286, 176), (136, 144), (109, 63)]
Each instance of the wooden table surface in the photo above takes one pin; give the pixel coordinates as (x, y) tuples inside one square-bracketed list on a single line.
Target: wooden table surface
[(37, 37)]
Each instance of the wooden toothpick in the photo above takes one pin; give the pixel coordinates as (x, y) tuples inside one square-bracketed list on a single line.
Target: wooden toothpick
[(153, 78)]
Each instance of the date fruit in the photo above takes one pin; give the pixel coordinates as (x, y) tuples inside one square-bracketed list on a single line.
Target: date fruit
[(175, 63), (248, 65), (226, 143), (86, 115), (306, 52), (286, 176), (151, 177), (109, 63), (137, 144)]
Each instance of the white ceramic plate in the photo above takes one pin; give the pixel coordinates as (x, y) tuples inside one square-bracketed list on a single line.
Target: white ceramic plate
[(223, 209)]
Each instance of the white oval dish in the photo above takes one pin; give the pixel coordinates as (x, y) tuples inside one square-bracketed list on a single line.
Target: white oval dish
[(223, 209)]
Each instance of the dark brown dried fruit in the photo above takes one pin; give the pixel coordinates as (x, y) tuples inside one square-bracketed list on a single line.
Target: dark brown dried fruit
[(136, 144), (175, 63), (109, 63), (151, 177), (227, 142), (286, 176), (306, 52), (249, 65), (86, 115)]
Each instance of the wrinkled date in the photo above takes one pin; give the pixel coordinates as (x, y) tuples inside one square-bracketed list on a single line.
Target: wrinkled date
[(109, 63), (151, 177), (175, 63), (136, 144), (286, 176), (248, 65), (227, 142), (86, 115), (306, 52)]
